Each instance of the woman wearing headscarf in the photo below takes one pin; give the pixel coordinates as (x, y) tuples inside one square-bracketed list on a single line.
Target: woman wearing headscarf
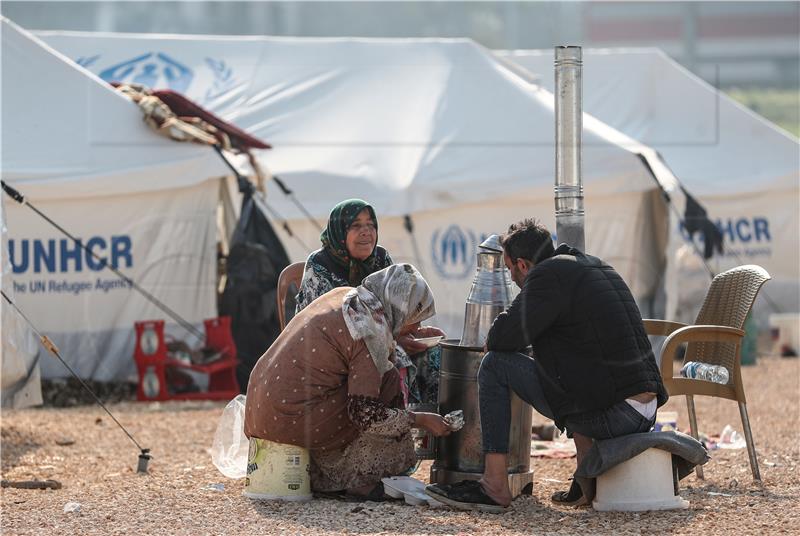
[(349, 253), (328, 383)]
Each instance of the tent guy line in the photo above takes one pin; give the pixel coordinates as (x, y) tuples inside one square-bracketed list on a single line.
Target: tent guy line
[(19, 198), (144, 455), (289, 193), (245, 185)]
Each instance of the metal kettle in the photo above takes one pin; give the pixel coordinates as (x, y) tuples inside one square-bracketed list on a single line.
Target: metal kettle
[(489, 295)]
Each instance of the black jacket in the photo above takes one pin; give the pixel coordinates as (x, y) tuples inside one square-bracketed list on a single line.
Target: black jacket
[(586, 332)]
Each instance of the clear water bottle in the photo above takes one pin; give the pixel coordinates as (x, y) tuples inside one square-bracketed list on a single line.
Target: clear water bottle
[(703, 371)]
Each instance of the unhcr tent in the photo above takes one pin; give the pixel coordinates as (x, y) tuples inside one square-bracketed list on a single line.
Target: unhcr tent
[(745, 170), (80, 152), (438, 130)]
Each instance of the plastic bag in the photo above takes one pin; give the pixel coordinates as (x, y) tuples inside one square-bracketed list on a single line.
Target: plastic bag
[(230, 447), (731, 439)]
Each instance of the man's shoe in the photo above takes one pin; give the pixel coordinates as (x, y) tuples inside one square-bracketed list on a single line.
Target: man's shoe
[(573, 497), (465, 495)]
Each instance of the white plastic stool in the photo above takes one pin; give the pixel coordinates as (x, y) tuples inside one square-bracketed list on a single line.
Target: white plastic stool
[(645, 482)]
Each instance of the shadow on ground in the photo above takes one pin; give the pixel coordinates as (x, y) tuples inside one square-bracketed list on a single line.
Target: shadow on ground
[(16, 444)]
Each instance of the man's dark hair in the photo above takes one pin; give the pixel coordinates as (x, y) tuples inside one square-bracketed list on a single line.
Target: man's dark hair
[(528, 239)]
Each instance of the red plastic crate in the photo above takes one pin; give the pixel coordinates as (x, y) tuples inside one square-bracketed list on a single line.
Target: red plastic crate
[(152, 361)]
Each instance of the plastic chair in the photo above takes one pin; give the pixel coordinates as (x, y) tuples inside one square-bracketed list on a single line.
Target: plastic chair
[(291, 275), (715, 339)]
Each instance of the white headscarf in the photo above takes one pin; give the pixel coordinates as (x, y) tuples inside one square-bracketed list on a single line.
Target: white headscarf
[(382, 305)]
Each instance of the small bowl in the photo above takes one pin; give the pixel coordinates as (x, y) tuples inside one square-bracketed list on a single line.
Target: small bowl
[(430, 342)]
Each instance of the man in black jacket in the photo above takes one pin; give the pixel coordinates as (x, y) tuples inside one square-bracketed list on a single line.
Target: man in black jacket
[(593, 370)]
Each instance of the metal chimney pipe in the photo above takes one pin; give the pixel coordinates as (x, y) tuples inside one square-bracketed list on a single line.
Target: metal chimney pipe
[(569, 125)]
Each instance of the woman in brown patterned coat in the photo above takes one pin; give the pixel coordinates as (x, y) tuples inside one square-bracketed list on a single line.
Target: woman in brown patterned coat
[(328, 382)]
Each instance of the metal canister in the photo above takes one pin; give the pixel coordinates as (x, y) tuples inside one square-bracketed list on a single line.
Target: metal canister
[(460, 455)]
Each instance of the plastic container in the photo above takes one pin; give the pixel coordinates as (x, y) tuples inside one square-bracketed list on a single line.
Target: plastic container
[(276, 471), (645, 482), (408, 488)]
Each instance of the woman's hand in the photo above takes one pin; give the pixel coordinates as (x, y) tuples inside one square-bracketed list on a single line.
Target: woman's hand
[(429, 331), (411, 346), (432, 422)]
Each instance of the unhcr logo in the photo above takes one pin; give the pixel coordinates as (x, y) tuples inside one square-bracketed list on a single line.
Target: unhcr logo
[(157, 70), (453, 252), (153, 69)]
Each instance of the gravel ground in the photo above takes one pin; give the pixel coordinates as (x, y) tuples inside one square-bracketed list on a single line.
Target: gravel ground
[(177, 497)]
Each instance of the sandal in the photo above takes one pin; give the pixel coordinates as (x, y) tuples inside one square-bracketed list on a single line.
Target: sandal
[(465, 495), (573, 497)]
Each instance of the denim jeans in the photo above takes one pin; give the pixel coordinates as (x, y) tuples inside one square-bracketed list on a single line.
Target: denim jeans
[(503, 372)]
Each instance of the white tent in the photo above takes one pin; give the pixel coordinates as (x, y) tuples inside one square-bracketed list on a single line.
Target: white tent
[(438, 129), (20, 375), (745, 170), (81, 154)]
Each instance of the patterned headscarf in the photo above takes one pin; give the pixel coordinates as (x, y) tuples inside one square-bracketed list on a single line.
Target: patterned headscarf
[(334, 239), (387, 301)]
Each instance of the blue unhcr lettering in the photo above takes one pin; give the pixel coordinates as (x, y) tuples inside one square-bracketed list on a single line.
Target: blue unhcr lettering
[(121, 250), (75, 253), (40, 256), (22, 266), (67, 256), (91, 262)]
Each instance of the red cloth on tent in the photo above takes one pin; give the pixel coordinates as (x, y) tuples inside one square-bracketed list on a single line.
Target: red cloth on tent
[(183, 107)]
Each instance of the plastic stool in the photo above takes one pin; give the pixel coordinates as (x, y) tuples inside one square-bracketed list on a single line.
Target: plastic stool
[(645, 482)]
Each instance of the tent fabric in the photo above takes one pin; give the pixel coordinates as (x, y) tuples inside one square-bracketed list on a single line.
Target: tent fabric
[(70, 141), (743, 169), (711, 142), (81, 154), (438, 129), (20, 384), (413, 123)]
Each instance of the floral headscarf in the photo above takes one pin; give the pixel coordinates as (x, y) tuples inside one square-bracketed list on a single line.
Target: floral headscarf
[(334, 239), (382, 305)]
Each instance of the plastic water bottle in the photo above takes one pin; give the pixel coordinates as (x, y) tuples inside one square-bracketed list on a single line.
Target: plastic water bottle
[(703, 371)]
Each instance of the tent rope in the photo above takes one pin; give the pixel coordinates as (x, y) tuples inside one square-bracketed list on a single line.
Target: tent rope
[(290, 194), (19, 198), (53, 349), (258, 197)]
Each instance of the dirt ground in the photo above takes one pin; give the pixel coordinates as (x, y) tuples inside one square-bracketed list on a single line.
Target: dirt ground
[(179, 495)]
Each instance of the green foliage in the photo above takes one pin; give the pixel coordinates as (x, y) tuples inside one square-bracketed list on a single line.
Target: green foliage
[(780, 106)]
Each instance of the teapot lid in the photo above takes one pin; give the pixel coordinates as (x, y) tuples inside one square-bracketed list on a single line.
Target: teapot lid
[(491, 245)]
